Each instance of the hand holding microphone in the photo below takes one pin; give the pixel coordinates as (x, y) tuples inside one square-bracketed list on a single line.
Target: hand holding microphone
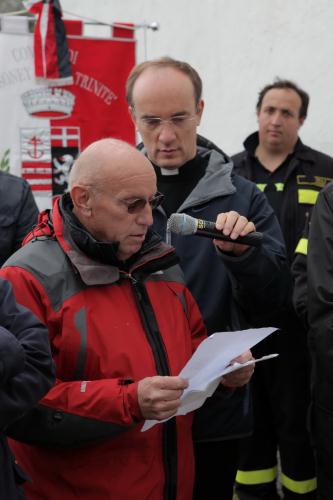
[(231, 232)]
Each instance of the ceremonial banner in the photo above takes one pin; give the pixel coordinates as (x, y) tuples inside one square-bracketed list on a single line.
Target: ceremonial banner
[(43, 128), (52, 61)]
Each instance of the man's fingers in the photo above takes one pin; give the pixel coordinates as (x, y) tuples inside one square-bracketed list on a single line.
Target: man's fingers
[(159, 397), (168, 395), (242, 358), (239, 377), (171, 383), (233, 224)]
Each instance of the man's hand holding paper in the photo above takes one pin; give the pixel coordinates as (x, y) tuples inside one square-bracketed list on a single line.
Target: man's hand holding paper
[(159, 397), (216, 360), (242, 376)]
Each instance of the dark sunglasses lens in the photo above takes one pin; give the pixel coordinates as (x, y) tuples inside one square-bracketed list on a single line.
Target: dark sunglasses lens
[(156, 201), (140, 203), (136, 206)]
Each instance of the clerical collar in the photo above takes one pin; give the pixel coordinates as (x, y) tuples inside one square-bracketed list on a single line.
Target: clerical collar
[(193, 167), (169, 171)]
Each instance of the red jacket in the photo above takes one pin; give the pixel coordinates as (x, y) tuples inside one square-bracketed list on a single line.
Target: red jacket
[(108, 329)]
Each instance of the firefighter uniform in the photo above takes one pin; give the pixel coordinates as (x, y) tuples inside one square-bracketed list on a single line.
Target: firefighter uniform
[(281, 388)]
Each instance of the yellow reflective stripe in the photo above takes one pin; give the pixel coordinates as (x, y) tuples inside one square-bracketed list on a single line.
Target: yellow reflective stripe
[(261, 187), (279, 186), (302, 246), (308, 196), (256, 476), (300, 487)]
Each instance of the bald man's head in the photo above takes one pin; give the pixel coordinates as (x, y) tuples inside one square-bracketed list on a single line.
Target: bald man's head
[(108, 179), (104, 159)]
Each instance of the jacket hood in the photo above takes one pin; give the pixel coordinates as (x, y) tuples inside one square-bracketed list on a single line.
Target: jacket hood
[(43, 229), (217, 180)]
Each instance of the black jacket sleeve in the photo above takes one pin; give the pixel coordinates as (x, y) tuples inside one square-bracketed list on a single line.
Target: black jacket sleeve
[(18, 213), (300, 292), (300, 276), (261, 278), (26, 366), (320, 296), (27, 216)]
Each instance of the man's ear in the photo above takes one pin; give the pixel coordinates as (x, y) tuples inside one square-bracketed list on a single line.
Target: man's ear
[(132, 114), (81, 198), (200, 108)]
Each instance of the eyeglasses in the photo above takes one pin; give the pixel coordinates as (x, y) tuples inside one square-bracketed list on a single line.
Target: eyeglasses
[(155, 122), (134, 207)]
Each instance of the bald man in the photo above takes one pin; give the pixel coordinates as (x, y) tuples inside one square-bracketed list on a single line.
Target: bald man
[(122, 325)]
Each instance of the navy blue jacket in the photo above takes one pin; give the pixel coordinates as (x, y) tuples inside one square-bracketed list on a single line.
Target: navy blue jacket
[(26, 374), (18, 213), (232, 292)]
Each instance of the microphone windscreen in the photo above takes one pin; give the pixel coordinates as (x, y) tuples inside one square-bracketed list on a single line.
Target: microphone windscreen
[(182, 224)]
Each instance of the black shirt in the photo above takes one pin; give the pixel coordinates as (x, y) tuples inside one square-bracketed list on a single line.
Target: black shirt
[(177, 184), (271, 183)]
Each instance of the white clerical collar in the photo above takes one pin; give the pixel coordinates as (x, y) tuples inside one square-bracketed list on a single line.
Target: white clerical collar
[(169, 171)]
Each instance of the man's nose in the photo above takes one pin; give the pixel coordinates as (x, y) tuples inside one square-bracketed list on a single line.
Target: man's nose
[(145, 217), (166, 133), (276, 118)]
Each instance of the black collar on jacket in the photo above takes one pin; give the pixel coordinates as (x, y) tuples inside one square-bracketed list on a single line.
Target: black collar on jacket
[(301, 152), (102, 251), (302, 156)]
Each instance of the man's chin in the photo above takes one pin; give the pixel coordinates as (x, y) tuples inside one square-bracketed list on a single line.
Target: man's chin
[(169, 163), (276, 138), (275, 143)]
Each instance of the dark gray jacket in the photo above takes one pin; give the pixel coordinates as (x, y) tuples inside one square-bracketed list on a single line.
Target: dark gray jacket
[(320, 299), (232, 292), (26, 374), (18, 213)]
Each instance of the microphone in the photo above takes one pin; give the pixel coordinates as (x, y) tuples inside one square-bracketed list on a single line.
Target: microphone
[(185, 224)]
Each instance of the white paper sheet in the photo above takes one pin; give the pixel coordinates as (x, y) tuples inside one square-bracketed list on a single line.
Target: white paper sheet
[(210, 362)]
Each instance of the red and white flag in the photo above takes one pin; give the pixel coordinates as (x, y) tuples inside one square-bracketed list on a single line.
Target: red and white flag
[(51, 54), (50, 125), (36, 158)]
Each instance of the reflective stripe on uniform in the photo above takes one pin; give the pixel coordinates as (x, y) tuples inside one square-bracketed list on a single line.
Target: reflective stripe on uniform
[(302, 246), (256, 476), (279, 186), (261, 187), (308, 196), (300, 487)]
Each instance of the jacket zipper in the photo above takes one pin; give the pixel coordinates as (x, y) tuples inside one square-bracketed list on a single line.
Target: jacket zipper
[(156, 343)]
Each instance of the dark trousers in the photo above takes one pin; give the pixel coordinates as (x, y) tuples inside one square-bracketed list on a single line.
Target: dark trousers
[(322, 430), (281, 397), (215, 469)]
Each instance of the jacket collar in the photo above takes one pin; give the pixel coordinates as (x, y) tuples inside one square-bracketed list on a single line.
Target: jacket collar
[(153, 254), (216, 182)]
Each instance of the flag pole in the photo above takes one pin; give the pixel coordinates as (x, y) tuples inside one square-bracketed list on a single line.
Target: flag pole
[(154, 25)]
